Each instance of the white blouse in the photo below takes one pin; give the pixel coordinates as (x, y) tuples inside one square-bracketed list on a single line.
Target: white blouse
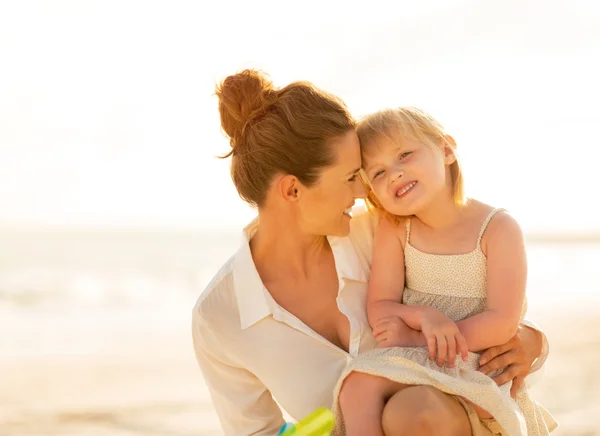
[(253, 352)]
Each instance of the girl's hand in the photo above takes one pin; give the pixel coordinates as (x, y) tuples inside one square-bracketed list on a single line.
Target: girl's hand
[(514, 358), (393, 332), (443, 337)]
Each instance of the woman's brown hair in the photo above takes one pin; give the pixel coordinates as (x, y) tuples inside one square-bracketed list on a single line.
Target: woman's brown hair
[(277, 130)]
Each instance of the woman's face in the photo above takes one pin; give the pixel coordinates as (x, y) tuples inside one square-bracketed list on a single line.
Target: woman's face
[(325, 206)]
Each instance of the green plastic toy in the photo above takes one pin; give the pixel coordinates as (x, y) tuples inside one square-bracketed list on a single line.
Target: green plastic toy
[(318, 423)]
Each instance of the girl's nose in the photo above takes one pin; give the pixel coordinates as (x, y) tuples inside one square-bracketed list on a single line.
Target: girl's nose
[(395, 173)]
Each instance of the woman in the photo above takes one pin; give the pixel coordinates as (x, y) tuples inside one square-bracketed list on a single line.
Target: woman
[(284, 316)]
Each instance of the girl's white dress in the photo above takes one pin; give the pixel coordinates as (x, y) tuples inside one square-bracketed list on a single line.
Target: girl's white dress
[(455, 285)]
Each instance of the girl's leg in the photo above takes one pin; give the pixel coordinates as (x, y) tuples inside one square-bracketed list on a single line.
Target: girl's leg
[(362, 399), (423, 410)]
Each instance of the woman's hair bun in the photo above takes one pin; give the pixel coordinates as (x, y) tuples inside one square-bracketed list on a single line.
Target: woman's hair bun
[(242, 98)]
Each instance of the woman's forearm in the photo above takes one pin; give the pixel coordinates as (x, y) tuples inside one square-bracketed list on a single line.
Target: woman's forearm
[(532, 341)]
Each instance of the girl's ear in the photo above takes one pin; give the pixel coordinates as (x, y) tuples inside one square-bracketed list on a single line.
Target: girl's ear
[(449, 145)]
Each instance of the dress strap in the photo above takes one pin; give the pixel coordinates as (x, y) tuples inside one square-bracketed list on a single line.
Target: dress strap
[(407, 225), (486, 222)]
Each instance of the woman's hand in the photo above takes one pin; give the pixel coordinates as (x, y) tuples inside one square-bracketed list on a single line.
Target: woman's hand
[(514, 358), (444, 339), (393, 332)]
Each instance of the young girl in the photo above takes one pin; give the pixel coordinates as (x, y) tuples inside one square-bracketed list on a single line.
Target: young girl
[(451, 268)]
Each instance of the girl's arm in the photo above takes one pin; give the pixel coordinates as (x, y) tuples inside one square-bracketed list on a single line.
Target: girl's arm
[(385, 311), (427, 325), (506, 280), (386, 284)]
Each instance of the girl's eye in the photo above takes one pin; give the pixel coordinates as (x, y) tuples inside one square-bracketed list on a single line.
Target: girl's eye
[(353, 178), (403, 155), (377, 174)]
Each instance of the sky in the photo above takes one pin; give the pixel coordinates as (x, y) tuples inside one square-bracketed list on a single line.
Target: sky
[(108, 116)]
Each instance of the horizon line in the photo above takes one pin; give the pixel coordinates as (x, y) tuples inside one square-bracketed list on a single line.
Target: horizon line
[(558, 236)]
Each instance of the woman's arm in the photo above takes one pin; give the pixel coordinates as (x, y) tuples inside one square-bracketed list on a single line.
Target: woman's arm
[(242, 402), (537, 344), (518, 358), (506, 280)]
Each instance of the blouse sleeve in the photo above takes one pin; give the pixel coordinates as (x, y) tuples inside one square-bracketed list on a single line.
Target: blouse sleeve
[(242, 402)]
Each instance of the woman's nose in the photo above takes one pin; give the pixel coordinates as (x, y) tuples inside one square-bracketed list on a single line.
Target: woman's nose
[(359, 190)]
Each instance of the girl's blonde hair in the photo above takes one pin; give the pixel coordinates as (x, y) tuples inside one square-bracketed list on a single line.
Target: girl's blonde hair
[(409, 123)]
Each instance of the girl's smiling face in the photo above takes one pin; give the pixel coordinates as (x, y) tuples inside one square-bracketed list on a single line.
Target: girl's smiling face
[(407, 175)]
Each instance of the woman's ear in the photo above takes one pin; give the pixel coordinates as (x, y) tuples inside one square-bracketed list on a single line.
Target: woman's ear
[(289, 187)]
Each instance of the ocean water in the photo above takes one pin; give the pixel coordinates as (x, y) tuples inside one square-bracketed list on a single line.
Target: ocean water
[(108, 269)]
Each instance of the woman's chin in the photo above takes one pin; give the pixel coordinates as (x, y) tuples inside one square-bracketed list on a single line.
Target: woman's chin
[(344, 228), (338, 229)]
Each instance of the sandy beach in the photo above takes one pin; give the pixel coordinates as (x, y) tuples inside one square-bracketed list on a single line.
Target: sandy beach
[(99, 373), (126, 373), (95, 334)]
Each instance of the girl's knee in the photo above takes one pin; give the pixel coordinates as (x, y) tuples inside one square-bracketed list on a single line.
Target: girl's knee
[(422, 410), (355, 385), (359, 385), (409, 412), (425, 397)]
